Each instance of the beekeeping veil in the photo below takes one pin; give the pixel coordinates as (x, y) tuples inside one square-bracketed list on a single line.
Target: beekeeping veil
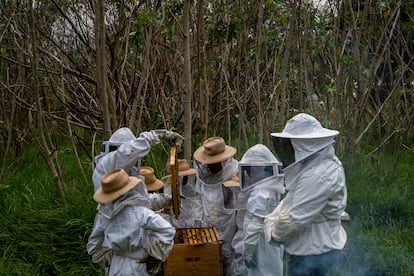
[(307, 137)]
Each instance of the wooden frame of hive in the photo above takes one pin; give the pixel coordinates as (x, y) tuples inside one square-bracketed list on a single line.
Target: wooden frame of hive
[(196, 251)]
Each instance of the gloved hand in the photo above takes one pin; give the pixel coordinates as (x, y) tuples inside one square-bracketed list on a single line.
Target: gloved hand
[(159, 250), (249, 255), (169, 136), (103, 257), (153, 264), (160, 201), (267, 229), (278, 226)]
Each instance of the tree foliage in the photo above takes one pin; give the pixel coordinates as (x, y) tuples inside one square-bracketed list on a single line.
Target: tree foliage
[(254, 64)]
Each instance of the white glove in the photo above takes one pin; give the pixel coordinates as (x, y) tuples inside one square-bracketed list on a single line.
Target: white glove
[(278, 226), (267, 229), (161, 201), (169, 135)]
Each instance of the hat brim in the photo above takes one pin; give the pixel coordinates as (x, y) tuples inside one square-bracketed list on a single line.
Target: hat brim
[(155, 186), (165, 178), (231, 183), (323, 133), (101, 197), (200, 156), (189, 171)]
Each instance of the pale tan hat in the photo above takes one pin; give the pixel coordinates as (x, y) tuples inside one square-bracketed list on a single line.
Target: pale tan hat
[(214, 150), (183, 168), (113, 185), (151, 182), (234, 182)]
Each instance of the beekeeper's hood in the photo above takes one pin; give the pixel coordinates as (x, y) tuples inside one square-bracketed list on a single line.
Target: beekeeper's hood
[(257, 166), (119, 137), (307, 135)]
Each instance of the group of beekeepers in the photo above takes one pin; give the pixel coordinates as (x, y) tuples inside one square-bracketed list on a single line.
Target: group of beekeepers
[(263, 205)]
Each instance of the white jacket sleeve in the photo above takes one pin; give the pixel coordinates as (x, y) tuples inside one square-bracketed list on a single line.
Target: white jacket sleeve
[(253, 226), (130, 152), (126, 156), (100, 255), (161, 237)]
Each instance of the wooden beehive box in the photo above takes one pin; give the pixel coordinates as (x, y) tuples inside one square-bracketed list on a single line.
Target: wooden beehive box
[(196, 251)]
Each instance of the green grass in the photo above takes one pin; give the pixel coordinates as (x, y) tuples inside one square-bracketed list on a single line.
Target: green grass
[(40, 235), (382, 216)]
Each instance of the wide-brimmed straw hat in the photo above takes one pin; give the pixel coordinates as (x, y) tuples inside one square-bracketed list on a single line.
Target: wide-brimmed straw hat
[(113, 185), (183, 168), (304, 126), (234, 182), (214, 150), (151, 182)]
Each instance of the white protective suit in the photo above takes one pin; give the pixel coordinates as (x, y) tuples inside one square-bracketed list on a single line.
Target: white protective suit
[(237, 266), (127, 156), (255, 256), (126, 231), (191, 207), (308, 219), (209, 185)]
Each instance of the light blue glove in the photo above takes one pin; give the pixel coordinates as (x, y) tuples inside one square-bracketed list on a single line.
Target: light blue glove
[(249, 256)]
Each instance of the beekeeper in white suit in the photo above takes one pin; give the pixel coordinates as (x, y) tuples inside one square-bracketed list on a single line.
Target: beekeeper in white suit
[(124, 150), (128, 238), (191, 207), (261, 183), (214, 164), (308, 220)]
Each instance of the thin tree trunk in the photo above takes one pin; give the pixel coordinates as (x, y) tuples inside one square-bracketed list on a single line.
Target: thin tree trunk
[(101, 66), (302, 52), (10, 127), (257, 71), (48, 153), (140, 94), (72, 139), (187, 82), (285, 64), (225, 66), (203, 86), (245, 71)]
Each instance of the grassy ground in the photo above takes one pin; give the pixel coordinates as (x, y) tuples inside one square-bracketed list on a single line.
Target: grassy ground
[(380, 201), (39, 235)]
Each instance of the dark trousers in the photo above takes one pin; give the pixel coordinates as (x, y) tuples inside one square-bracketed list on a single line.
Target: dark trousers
[(316, 265)]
